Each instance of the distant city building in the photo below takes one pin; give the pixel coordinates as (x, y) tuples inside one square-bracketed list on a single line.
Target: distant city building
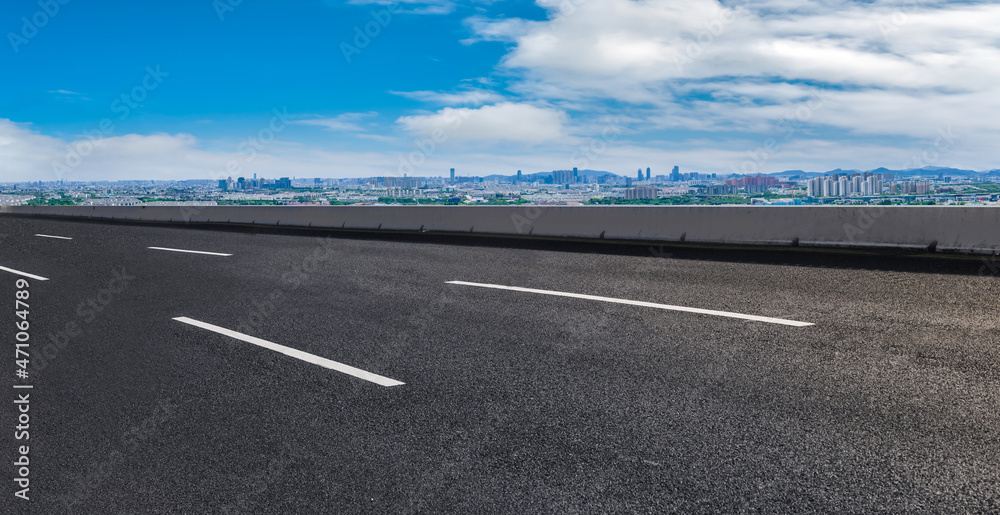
[(401, 182), (758, 180), (719, 189), (647, 173), (519, 176), (675, 174), (914, 187), (869, 185), (640, 174), (641, 192), (563, 176), (453, 176)]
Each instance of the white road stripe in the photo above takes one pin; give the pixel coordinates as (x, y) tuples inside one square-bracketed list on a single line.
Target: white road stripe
[(304, 356), (192, 251), (641, 303), (56, 237), (30, 276)]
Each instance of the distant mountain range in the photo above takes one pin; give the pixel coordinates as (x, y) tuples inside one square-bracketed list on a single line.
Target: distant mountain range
[(909, 172), (538, 175)]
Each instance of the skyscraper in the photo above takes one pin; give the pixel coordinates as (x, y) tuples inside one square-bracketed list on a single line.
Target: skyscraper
[(647, 173), (675, 174), (640, 174), (519, 176), (563, 176), (453, 176)]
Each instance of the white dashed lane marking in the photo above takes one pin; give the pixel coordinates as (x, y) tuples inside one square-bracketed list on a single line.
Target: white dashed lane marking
[(701, 311), (295, 353), (191, 251), (25, 274)]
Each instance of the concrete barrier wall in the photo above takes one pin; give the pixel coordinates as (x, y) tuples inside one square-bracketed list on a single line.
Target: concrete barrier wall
[(971, 229)]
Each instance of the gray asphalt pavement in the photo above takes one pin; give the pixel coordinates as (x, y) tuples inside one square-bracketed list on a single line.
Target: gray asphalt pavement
[(513, 402)]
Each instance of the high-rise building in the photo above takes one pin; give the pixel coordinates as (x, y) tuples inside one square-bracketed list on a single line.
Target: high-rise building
[(519, 176), (563, 176), (813, 188), (675, 174), (647, 173), (576, 177), (758, 180), (641, 192), (453, 176), (640, 174)]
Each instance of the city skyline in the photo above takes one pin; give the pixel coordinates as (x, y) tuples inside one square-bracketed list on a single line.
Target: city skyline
[(674, 175), (371, 88)]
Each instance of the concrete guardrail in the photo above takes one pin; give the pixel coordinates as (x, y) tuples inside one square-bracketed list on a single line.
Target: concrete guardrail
[(965, 229)]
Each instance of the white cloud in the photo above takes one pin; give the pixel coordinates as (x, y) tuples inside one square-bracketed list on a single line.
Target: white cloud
[(897, 68), (344, 122), (506, 121), (27, 155), (415, 6), (474, 97)]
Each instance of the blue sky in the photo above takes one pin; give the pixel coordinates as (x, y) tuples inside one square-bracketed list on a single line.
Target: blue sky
[(202, 89)]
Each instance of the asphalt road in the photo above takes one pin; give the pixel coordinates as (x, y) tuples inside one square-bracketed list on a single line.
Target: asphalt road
[(513, 401)]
